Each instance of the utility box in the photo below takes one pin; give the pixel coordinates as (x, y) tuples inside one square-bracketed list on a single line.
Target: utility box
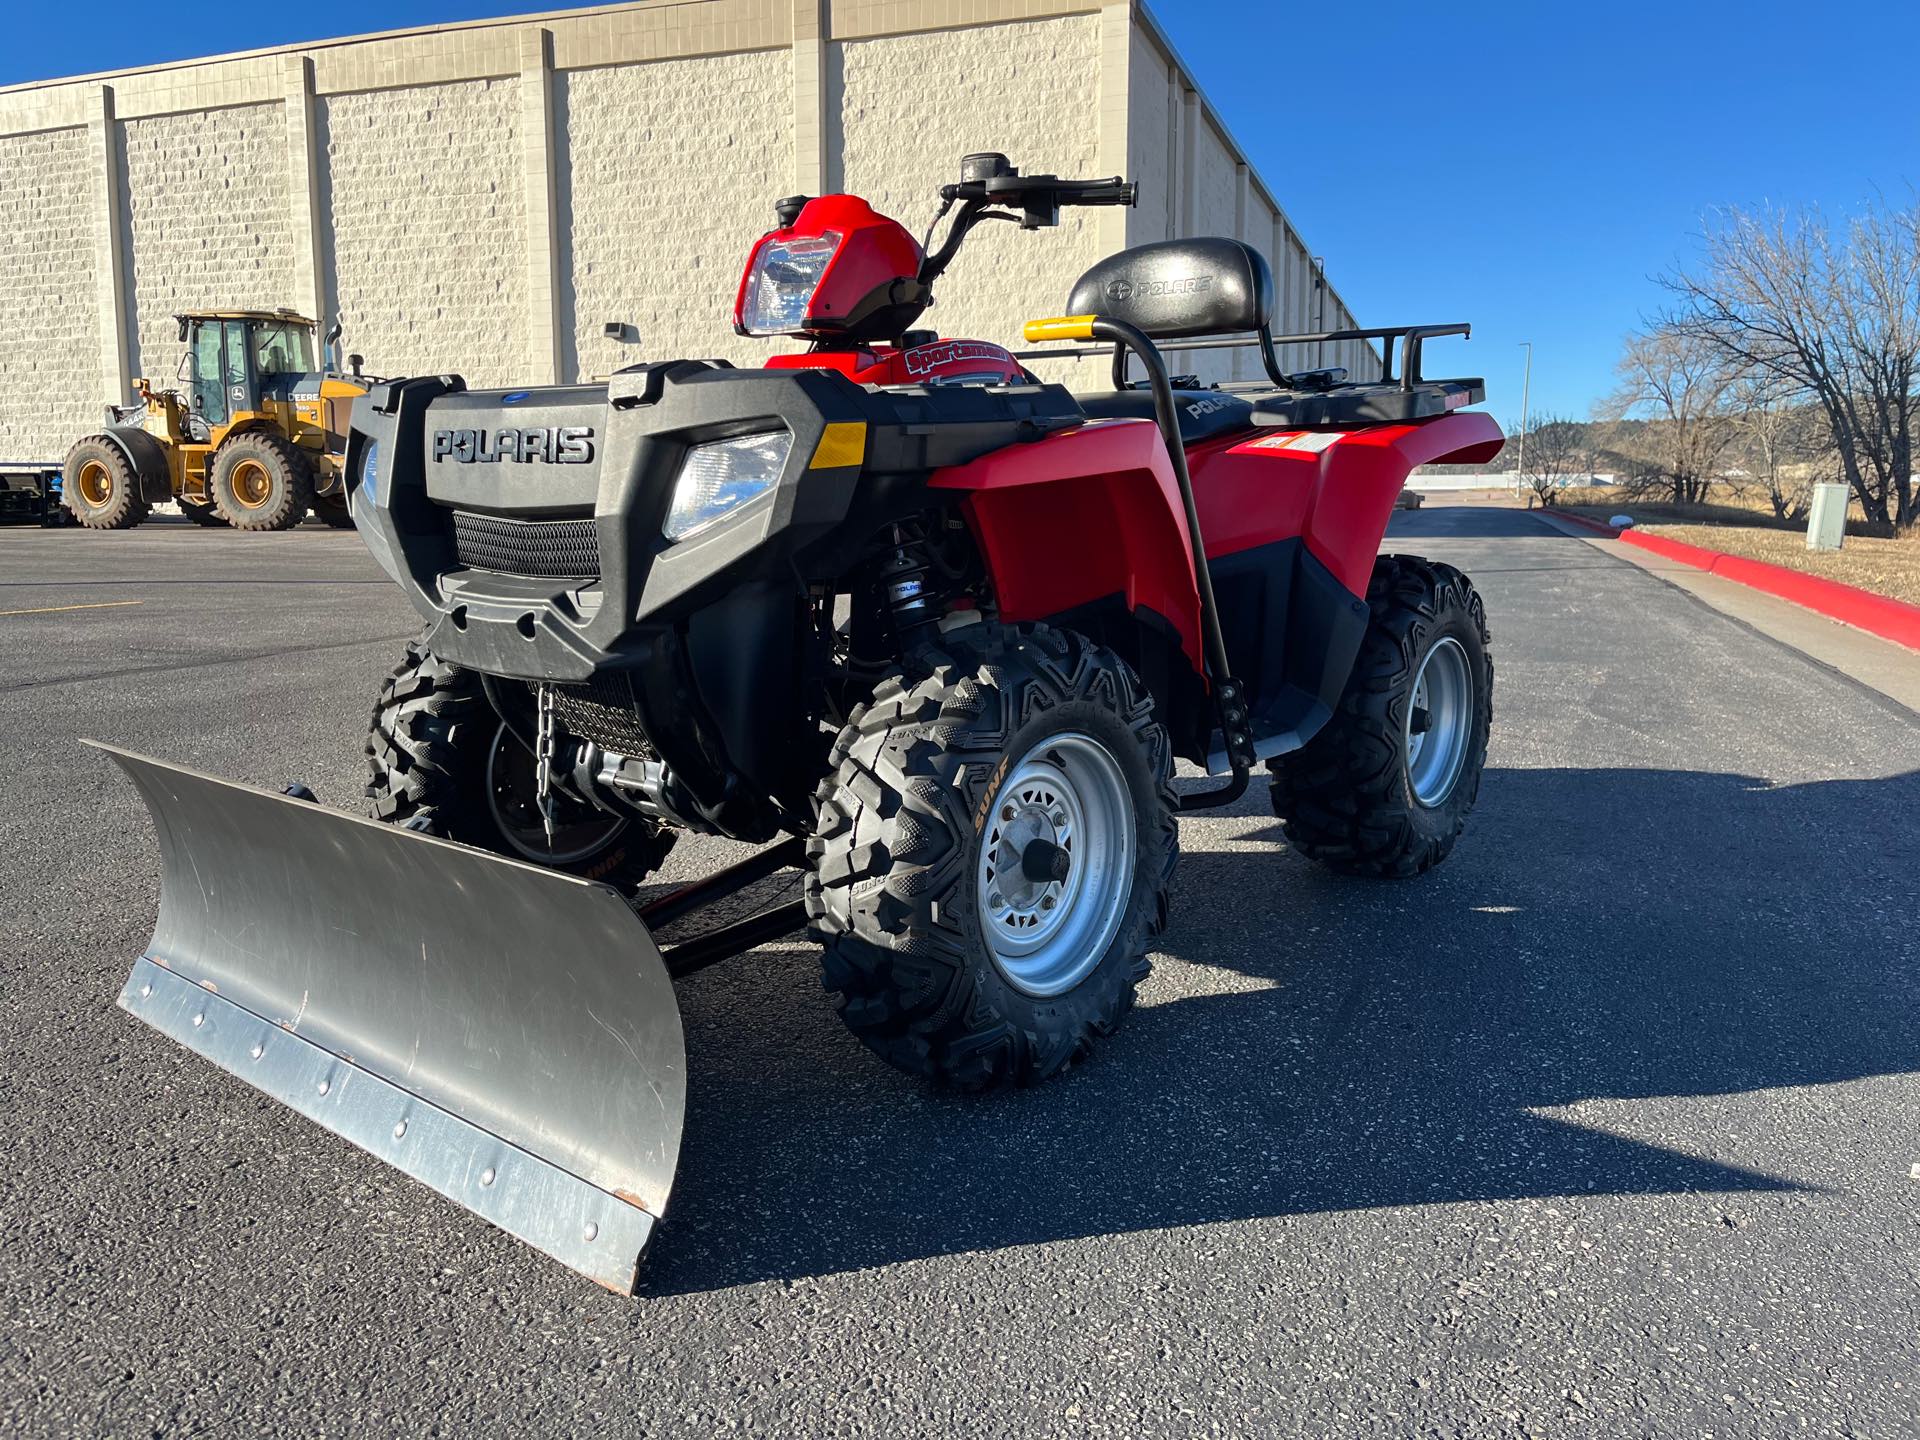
[(1827, 521)]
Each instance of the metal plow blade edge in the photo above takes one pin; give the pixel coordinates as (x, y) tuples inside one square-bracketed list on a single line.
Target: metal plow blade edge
[(505, 1034)]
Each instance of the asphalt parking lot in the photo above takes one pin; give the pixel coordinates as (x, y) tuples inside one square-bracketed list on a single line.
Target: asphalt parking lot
[(1608, 1126)]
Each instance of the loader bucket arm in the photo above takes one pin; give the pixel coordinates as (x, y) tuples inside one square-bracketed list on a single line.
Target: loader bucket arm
[(505, 1034)]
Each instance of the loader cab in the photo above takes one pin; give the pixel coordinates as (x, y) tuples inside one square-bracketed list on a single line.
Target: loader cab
[(236, 360)]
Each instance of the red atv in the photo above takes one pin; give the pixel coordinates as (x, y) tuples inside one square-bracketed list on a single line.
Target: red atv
[(945, 626)]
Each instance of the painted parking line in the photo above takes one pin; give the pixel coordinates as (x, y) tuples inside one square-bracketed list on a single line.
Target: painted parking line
[(90, 605)]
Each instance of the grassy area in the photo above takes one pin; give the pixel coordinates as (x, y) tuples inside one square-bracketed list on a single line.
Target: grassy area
[(1738, 526)]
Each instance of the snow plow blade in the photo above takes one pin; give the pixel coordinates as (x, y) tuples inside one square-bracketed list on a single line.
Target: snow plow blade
[(505, 1034)]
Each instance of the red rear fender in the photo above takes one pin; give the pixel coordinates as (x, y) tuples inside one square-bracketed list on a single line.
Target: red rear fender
[(1335, 488), (1095, 513)]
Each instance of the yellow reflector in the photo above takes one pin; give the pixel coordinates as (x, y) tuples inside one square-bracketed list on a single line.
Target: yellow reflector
[(1061, 327), (842, 443)]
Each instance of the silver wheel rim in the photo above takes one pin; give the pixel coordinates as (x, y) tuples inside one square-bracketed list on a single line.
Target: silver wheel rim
[(1439, 719), (1046, 935), (580, 831)]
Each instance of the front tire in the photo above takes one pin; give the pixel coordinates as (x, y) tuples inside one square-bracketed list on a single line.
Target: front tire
[(261, 481), (992, 854), (1386, 786), (442, 761), (99, 486)]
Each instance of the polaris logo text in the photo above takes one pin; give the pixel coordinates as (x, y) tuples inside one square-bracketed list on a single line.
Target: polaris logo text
[(1123, 289), (547, 445)]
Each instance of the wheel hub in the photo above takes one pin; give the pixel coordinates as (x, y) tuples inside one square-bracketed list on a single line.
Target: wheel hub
[(1056, 864), (1439, 722), (1022, 894), (96, 485), (252, 486)]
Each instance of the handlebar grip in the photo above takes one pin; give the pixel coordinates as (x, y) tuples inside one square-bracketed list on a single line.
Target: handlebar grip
[(1060, 327), (1110, 192)]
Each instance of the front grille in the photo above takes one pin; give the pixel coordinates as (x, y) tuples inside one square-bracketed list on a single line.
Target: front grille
[(602, 711), (548, 549)]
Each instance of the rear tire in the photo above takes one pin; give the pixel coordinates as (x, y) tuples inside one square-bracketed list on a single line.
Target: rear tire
[(203, 513), (916, 884), (442, 762), (1385, 788), (99, 486), (332, 512), (260, 481)]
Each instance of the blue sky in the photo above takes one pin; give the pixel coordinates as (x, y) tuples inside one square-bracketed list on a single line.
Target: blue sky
[(1523, 166)]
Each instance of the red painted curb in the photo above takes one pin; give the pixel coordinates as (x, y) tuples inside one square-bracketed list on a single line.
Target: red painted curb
[(1890, 619)]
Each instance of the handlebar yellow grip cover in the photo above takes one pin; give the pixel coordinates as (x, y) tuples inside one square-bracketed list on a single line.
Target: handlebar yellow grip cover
[(1060, 327)]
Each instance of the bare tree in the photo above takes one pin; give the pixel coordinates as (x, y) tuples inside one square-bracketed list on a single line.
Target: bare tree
[(1784, 448), (1554, 448), (1679, 383), (1834, 318)]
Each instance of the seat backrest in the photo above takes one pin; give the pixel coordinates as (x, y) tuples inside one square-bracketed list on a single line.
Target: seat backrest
[(1174, 289)]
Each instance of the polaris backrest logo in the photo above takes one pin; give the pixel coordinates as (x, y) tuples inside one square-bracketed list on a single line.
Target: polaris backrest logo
[(1121, 289), (547, 445)]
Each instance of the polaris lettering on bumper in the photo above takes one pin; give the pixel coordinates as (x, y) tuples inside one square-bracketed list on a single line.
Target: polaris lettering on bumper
[(546, 445)]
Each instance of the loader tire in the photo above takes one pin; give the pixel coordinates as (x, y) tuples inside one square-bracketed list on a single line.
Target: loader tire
[(332, 511), (1385, 788), (437, 751), (202, 513), (261, 481), (913, 884), (99, 486)]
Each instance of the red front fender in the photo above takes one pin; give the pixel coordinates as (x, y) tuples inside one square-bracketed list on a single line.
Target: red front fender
[(1081, 516)]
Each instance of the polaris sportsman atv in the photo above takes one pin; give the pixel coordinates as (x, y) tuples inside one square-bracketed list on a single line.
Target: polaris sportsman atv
[(933, 629)]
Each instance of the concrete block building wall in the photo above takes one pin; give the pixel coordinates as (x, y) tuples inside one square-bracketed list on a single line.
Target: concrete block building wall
[(483, 198), (425, 214), (204, 197), (49, 353), (661, 192), (911, 106)]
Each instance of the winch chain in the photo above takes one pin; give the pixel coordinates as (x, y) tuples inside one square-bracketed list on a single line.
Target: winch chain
[(545, 744)]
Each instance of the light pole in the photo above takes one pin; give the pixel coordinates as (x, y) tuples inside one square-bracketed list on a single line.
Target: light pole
[(1526, 387), (1319, 309)]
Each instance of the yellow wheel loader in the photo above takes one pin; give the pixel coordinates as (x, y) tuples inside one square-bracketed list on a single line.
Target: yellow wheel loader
[(252, 438)]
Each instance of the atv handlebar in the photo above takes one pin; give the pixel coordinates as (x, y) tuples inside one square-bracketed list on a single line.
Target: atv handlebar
[(988, 181), (1044, 192)]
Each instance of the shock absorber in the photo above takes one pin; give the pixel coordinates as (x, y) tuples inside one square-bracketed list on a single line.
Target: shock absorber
[(905, 580)]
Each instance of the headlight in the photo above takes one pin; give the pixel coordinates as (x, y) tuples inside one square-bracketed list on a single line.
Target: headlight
[(370, 471), (720, 477), (784, 275)]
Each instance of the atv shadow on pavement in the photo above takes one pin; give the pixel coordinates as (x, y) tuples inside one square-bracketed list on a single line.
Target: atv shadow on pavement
[(1314, 1044)]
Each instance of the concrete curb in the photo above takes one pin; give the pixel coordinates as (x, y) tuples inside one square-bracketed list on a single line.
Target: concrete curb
[(1893, 620)]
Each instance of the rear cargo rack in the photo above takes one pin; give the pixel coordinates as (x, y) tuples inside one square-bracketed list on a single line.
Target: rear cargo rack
[(1319, 397), (1412, 339)]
